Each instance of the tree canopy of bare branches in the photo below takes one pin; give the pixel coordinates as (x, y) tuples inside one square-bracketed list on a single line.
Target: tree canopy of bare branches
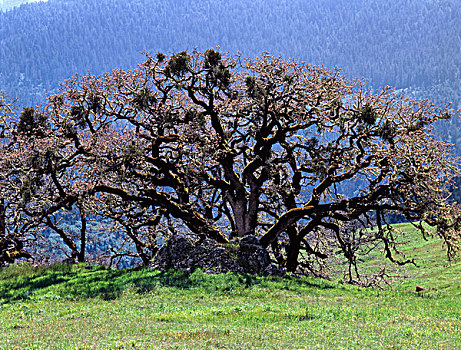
[(222, 147)]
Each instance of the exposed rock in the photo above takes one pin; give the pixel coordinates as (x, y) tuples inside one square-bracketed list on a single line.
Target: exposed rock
[(68, 261), (181, 253), (212, 257), (173, 255), (252, 256), (273, 269)]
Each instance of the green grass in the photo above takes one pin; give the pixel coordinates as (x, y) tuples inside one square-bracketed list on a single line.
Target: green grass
[(434, 272), (63, 307)]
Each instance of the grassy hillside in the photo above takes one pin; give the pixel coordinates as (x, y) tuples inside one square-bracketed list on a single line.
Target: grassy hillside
[(64, 307)]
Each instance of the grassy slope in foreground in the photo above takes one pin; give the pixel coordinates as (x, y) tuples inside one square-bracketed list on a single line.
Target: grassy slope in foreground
[(78, 308)]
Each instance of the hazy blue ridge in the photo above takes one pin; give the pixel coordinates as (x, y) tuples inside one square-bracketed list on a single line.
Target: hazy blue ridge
[(409, 44), (402, 43)]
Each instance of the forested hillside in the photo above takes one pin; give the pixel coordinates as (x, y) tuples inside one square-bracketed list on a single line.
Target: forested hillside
[(401, 42), (9, 4), (409, 44)]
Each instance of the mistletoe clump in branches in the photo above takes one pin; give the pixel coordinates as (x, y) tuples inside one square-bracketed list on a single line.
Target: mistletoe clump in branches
[(221, 147)]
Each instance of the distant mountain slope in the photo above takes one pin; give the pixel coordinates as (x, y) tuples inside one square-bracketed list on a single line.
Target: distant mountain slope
[(401, 42), (9, 4)]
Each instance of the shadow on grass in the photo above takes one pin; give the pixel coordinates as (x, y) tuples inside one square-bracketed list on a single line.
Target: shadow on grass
[(20, 282), (23, 281)]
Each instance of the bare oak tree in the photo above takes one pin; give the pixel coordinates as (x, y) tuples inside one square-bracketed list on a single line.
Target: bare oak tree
[(223, 147)]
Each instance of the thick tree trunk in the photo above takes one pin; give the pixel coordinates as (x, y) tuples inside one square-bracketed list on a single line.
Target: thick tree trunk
[(292, 254), (240, 215)]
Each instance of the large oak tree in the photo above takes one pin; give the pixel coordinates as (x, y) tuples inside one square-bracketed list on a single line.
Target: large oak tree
[(221, 147)]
